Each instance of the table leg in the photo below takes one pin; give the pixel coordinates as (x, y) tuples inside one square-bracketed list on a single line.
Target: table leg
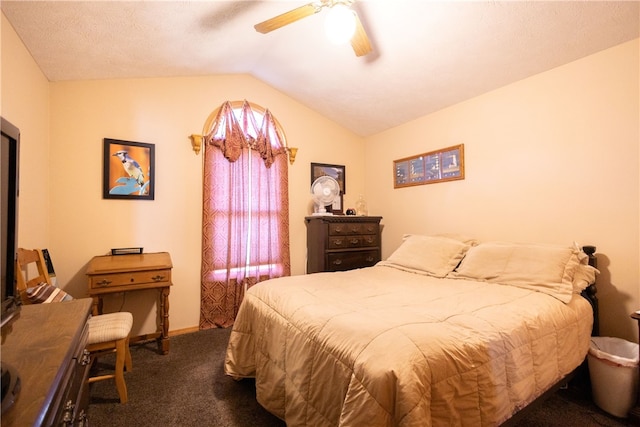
[(96, 307), (163, 340)]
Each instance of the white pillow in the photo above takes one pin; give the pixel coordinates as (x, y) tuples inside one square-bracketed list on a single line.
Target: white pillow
[(583, 277), (436, 256), (544, 268), (471, 241)]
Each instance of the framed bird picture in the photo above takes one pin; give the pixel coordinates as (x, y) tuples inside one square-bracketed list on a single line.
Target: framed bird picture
[(128, 170)]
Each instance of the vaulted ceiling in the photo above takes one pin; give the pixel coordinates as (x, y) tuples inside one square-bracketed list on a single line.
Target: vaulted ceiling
[(427, 55)]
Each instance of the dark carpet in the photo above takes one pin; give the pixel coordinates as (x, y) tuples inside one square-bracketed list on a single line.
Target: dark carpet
[(187, 387)]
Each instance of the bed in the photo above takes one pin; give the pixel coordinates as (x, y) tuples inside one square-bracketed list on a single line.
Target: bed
[(444, 332)]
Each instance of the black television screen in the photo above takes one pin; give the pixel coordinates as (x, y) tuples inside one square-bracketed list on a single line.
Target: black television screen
[(9, 165)]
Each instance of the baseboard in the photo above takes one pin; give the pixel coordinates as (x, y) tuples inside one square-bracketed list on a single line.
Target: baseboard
[(155, 335), (183, 331)]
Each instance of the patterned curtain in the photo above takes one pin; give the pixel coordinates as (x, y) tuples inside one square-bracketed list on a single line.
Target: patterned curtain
[(245, 227)]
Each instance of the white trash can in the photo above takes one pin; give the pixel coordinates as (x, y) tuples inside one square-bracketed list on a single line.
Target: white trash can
[(613, 369)]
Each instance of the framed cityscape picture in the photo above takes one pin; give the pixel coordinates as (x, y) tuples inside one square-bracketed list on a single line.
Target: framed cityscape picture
[(446, 164)]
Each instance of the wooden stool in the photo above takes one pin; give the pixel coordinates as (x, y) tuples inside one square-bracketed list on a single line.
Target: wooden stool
[(109, 332)]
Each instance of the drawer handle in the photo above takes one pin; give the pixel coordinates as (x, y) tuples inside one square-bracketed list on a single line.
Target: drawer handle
[(67, 418), (369, 259), (338, 229), (354, 229), (338, 242), (83, 420), (354, 241), (157, 278), (104, 282), (86, 358), (370, 240), (337, 262)]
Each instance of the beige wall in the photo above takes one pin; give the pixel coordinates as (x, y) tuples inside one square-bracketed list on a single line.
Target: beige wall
[(552, 158), (25, 103)]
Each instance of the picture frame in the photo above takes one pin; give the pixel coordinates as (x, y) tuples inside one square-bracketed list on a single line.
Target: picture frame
[(128, 170), (126, 251), (445, 164), (336, 172), (336, 208)]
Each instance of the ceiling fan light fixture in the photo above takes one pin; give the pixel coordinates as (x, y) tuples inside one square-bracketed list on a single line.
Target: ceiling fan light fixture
[(340, 24)]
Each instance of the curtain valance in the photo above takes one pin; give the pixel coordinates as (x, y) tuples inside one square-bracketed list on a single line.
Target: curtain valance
[(231, 134)]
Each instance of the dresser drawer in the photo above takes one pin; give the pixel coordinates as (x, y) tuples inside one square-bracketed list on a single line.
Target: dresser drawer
[(134, 278), (339, 261), (73, 400), (351, 228), (339, 242), (370, 240), (370, 228), (344, 228)]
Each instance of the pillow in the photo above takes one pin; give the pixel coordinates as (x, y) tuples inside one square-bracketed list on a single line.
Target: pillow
[(436, 256), (583, 277), (459, 237), (45, 292), (544, 268)]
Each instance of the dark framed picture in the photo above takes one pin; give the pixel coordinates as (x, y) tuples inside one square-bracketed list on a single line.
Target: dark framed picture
[(446, 164), (128, 170), (336, 172)]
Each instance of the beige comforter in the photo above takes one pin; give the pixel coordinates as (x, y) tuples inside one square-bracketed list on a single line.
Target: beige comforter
[(384, 347)]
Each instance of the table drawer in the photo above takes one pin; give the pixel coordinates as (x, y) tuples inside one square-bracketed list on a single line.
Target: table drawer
[(100, 281), (340, 261)]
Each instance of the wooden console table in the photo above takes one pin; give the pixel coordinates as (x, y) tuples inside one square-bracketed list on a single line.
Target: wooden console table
[(123, 273)]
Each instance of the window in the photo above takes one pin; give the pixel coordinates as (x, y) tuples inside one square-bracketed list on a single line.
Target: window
[(245, 208)]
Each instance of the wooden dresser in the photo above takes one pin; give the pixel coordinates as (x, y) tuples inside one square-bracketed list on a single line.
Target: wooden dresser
[(45, 346), (341, 242)]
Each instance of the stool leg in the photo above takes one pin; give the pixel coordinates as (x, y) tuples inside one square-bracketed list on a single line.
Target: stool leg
[(121, 352), (128, 364)]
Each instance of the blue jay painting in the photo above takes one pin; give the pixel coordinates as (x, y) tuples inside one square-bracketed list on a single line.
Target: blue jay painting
[(135, 181)]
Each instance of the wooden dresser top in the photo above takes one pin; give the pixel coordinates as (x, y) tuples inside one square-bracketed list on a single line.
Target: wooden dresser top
[(40, 344), (343, 218)]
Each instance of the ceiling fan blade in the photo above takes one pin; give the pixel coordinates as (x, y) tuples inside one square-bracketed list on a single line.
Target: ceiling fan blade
[(360, 40), (286, 18)]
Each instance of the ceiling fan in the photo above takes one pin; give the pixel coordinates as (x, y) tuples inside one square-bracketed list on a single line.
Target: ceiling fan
[(359, 40)]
